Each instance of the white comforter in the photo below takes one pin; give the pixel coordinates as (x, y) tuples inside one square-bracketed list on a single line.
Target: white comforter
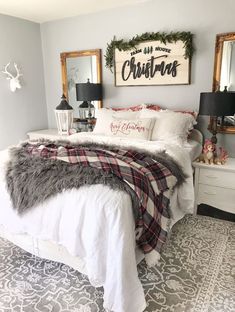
[(96, 224)]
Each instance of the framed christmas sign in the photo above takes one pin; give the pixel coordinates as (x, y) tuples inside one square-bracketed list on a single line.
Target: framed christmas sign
[(165, 61)]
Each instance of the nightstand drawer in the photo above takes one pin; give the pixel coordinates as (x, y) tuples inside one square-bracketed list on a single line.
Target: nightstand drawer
[(217, 197), (217, 178)]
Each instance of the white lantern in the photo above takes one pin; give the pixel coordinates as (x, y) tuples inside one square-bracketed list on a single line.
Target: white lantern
[(64, 117)]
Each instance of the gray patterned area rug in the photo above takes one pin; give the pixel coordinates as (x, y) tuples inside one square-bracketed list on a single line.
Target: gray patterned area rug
[(196, 274)]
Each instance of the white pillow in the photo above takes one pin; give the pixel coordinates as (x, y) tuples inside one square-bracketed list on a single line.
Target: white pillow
[(131, 128), (172, 126), (104, 117), (149, 113), (126, 114)]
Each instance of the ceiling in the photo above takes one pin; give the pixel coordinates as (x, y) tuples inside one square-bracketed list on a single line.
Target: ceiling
[(40, 11)]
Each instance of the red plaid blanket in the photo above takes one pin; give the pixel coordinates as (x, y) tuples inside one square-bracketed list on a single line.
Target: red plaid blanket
[(150, 180)]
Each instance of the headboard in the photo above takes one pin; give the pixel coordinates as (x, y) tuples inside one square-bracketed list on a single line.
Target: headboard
[(197, 136)]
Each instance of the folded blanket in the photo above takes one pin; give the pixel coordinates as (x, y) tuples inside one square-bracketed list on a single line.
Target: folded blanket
[(39, 170)]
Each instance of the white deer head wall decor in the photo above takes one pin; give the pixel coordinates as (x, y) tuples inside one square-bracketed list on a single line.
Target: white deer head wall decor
[(14, 81)]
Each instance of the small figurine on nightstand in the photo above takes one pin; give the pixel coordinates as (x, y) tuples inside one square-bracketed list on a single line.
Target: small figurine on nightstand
[(210, 155), (207, 155), (222, 157)]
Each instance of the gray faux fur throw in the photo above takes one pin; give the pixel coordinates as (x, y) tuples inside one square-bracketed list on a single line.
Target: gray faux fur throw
[(32, 179)]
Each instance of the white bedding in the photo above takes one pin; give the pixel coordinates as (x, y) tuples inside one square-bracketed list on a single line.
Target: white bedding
[(96, 224)]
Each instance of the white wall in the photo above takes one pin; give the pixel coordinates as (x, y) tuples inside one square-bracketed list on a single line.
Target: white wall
[(203, 18), (25, 109)]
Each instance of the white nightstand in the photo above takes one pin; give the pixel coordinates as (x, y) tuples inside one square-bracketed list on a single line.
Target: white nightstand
[(50, 134), (215, 185)]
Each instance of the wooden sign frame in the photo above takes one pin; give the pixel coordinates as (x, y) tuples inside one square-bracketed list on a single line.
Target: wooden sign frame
[(152, 63)]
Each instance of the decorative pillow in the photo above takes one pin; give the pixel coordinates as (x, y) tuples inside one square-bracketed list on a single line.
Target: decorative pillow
[(172, 126), (131, 128), (193, 113), (153, 107), (104, 117), (149, 113), (131, 108), (159, 108), (126, 114)]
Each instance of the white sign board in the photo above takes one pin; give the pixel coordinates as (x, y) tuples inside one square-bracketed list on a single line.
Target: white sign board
[(152, 63)]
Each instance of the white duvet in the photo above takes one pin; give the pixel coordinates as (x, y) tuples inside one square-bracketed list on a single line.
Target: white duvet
[(96, 223)]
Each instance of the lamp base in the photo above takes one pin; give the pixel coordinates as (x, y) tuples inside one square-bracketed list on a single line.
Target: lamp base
[(214, 130), (214, 139)]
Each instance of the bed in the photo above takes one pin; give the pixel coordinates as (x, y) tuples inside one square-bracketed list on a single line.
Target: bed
[(98, 239)]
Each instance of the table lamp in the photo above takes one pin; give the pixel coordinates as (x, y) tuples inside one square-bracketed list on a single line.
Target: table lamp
[(216, 104), (88, 92)]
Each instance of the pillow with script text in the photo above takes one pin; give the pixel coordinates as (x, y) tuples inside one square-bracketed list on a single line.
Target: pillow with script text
[(131, 128)]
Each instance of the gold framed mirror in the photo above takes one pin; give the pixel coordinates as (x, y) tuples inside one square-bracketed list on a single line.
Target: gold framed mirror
[(224, 75), (78, 67)]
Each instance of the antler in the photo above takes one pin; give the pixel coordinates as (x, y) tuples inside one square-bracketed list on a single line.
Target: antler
[(17, 71), (7, 72)]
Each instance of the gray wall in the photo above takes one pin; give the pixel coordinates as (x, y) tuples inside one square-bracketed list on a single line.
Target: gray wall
[(203, 18), (25, 109)]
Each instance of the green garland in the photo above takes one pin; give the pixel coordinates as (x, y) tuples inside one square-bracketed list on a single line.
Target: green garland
[(163, 37)]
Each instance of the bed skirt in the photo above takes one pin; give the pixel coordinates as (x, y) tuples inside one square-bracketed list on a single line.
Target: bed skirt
[(50, 250)]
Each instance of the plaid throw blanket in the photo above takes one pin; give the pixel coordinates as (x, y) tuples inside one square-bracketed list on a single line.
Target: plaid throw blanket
[(150, 180)]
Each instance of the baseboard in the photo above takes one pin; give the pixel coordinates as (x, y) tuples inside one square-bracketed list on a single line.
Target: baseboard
[(206, 210)]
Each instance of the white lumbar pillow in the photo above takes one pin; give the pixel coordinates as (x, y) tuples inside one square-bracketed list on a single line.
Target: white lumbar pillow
[(104, 117), (131, 128)]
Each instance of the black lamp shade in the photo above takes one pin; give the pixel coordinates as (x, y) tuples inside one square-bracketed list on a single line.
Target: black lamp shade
[(88, 91), (217, 104)]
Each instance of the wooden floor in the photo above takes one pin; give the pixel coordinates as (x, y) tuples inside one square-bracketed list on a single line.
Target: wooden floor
[(206, 210)]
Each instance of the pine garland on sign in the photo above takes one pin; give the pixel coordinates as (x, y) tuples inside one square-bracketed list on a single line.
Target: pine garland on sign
[(122, 45)]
